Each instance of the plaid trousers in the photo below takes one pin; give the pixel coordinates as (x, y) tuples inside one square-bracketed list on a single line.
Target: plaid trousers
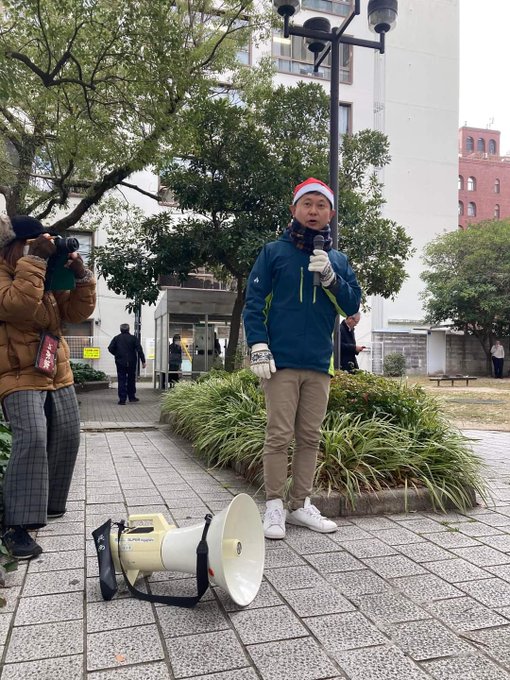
[(45, 441)]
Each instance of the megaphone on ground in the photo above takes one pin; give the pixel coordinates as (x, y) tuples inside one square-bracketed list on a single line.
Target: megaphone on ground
[(235, 550)]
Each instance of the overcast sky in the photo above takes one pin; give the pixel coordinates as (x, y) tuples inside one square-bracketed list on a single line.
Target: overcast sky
[(484, 83)]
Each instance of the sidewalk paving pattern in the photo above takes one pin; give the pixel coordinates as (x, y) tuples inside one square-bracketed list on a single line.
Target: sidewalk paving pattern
[(406, 597)]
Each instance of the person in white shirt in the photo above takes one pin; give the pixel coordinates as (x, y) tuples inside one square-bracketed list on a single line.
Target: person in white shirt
[(498, 357)]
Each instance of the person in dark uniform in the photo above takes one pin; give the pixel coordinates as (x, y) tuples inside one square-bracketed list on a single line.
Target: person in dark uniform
[(348, 347), (127, 350), (174, 360)]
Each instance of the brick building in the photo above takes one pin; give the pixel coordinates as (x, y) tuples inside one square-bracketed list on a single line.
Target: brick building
[(484, 176)]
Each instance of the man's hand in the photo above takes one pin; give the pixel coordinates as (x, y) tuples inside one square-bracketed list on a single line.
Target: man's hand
[(42, 247), (360, 348), (262, 362), (143, 365), (319, 262), (75, 264)]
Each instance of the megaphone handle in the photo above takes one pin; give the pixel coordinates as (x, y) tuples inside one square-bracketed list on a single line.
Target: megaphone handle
[(202, 575)]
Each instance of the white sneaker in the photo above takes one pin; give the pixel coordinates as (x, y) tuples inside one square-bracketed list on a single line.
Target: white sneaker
[(274, 519), (310, 517)]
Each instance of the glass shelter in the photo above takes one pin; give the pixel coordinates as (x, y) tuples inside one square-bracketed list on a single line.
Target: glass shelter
[(202, 319)]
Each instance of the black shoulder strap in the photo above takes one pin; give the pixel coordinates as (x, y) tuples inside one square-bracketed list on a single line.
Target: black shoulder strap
[(202, 574)]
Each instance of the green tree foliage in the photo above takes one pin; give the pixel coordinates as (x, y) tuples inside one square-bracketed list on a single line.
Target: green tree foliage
[(233, 173), (136, 251), (90, 90), (468, 281)]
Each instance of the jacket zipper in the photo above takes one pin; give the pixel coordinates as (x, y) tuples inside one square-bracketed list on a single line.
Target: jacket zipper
[(301, 286)]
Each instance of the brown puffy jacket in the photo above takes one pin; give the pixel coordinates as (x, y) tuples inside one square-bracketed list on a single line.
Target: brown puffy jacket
[(26, 310)]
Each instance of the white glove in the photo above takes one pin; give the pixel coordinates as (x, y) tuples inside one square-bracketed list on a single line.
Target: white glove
[(262, 362), (319, 262)]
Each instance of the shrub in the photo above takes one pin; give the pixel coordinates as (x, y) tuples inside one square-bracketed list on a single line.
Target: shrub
[(84, 373), (377, 433), (394, 364), (371, 395), (5, 453)]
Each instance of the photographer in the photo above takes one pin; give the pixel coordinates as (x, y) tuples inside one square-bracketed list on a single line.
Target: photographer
[(36, 380)]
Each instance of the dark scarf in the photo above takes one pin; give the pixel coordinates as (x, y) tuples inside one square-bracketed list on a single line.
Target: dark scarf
[(302, 237)]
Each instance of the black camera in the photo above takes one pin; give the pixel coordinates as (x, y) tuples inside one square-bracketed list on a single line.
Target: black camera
[(58, 276), (66, 244)]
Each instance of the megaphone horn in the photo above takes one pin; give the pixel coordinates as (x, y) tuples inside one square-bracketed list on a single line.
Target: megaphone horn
[(235, 540)]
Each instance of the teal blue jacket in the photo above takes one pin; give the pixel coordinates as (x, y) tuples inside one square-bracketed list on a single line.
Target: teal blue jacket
[(285, 310)]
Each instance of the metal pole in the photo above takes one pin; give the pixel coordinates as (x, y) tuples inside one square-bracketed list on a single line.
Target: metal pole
[(138, 333), (334, 136)]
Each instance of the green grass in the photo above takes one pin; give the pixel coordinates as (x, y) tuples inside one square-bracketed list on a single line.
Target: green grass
[(484, 404)]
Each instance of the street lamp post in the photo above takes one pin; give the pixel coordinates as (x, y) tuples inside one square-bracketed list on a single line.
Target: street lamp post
[(322, 40)]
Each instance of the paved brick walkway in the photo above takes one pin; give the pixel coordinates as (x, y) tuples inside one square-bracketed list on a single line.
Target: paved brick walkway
[(397, 597)]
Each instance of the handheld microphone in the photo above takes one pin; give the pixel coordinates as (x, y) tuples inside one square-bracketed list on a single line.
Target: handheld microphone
[(318, 244)]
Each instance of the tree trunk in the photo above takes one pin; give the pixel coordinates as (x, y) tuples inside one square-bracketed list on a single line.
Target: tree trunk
[(235, 324)]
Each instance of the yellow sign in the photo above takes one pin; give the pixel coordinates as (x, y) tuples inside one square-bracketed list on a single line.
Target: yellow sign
[(91, 353)]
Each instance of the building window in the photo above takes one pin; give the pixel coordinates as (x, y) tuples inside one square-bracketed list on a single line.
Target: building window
[(344, 120), (497, 186), (291, 55), (492, 147), (166, 195), (480, 145), (339, 7), (461, 183), (461, 208), (226, 91), (496, 211), (243, 54), (470, 144), (471, 210), (77, 190), (471, 184)]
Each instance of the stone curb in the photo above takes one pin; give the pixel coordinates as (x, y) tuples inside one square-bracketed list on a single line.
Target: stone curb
[(386, 502), (92, 385)]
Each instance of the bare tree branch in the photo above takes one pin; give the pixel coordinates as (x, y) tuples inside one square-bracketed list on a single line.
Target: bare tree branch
[(156, 197)]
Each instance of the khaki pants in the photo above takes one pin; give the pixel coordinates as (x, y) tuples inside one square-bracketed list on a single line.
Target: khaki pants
[(296, 402)]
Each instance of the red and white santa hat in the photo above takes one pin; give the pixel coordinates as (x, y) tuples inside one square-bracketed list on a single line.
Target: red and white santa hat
[(312, 184)]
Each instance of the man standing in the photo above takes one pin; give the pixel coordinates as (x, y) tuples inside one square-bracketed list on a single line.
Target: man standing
[(498, 358), (127, 350), (348, 347), (174, 360), (289, 317)]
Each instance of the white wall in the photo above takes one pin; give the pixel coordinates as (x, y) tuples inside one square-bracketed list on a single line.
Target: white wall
[(422, 83)]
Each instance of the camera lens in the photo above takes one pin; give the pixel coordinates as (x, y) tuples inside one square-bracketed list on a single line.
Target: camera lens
[(66, 245), (72, 244)]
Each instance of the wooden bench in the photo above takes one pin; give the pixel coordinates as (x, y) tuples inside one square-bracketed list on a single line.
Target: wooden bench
[(453, 379)]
